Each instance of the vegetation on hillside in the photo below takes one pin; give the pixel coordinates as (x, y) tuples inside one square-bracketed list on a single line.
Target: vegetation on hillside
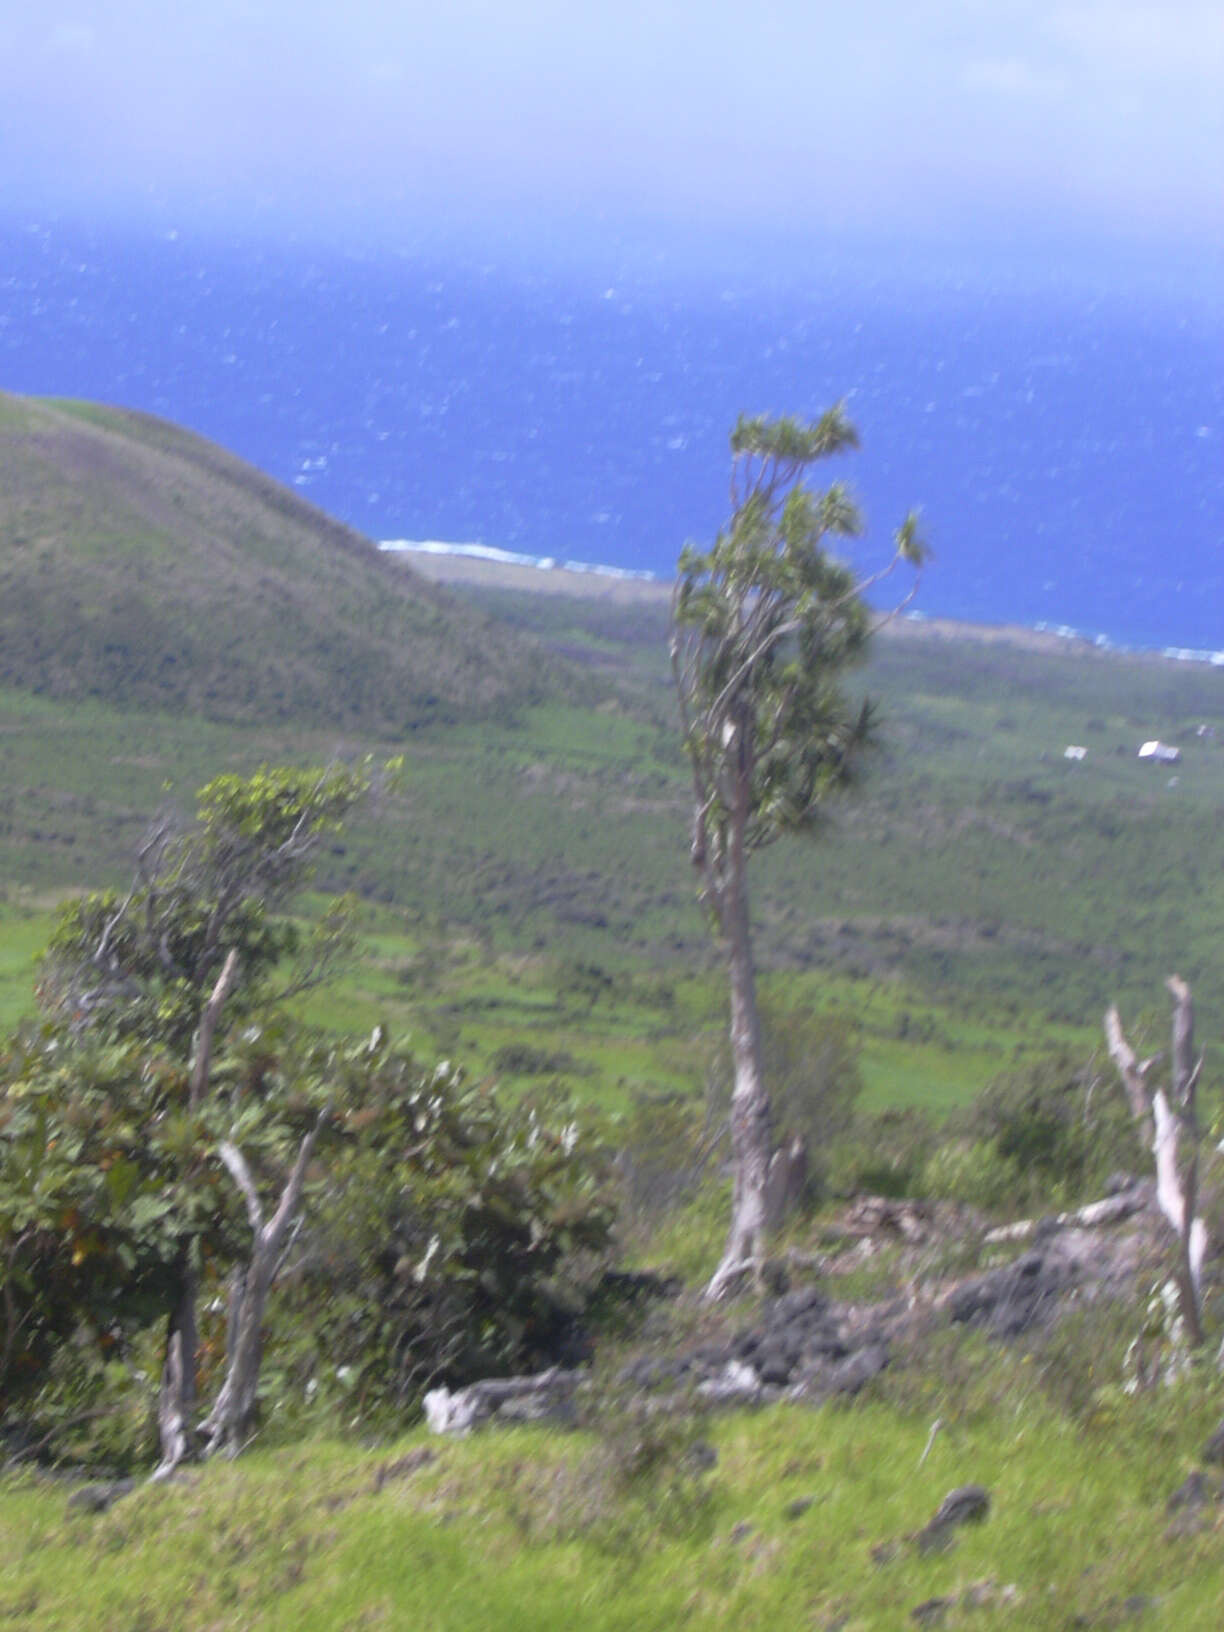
[(144, 566), (933, 979)]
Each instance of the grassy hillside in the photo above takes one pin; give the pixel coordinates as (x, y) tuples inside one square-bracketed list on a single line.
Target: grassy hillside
[(529, 911), (802, 1521), (145, 566), (980, 895), (975, 860)]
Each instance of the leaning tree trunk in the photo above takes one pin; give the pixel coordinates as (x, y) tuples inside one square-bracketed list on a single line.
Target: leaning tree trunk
[(229, 1424), (751, 1119)]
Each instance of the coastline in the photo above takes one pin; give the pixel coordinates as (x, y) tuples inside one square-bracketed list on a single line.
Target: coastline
[(478, 567)]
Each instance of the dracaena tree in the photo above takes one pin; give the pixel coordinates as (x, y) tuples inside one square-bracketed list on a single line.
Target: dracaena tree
[(764, 626)]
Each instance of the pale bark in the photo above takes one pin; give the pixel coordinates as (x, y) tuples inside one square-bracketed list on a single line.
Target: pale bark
[(1111, 1210), (208, 1027), (1165, 1121), (177, 1395), (230, 1422), (751, 1119), (788, 1171), (1132, 1071)]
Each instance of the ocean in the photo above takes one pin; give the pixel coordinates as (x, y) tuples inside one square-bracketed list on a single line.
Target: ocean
[(1063, 438)]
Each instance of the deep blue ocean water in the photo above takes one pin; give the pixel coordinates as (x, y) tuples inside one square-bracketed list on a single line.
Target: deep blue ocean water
[(1066, 446)]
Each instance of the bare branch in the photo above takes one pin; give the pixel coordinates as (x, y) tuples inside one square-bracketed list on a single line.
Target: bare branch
[(1184, 1074), (208, 1027), (1133, 1073), (274, 1231), (235, 1161), (1163, 1125), (229, 1422)]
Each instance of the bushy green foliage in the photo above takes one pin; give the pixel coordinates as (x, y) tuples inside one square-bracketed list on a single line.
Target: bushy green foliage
[(442, 1238), (140, 965), (453, 1232), (765, 625), (444, 1219), (1050, 1134), (668, 1145), (89, 1149), (885, 1154), (111, 1185), (528, 1060), (112, 1195)]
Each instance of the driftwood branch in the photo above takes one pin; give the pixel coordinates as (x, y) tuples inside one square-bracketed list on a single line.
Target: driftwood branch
[(236, 1164), (1132, 1072), (1111, 1210)]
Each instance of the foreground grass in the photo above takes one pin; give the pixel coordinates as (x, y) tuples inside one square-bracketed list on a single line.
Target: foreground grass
[(528, 1528)]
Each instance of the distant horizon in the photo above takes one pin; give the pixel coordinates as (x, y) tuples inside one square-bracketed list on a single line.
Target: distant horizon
[(1063, 439)]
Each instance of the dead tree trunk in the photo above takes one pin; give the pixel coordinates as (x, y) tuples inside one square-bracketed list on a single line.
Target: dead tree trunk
[(1174, 1133), (229, 1424)]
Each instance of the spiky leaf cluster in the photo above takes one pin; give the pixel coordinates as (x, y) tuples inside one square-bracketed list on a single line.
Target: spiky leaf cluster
[(766, 624)]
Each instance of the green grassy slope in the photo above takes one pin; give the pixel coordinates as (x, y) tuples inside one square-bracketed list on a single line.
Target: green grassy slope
[(980, 894), (802, 1522), (146, 566), (974, 859), (976, 880)]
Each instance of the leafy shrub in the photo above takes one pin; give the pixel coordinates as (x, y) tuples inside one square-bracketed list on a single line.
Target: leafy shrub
[(811, 1063), (884, 1155), (525, 1060), (669, 1142), (444, 1235), (971, 1171), (1057, 1130), (456, 1236), (99, 1188)]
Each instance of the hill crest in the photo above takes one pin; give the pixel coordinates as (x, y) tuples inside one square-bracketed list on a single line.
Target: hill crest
[(144, 565)]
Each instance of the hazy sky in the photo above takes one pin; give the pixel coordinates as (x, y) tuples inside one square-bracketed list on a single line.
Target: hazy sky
[(951, 116)]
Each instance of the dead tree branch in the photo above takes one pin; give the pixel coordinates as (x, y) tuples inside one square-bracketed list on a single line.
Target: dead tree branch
[(1170, 1125)]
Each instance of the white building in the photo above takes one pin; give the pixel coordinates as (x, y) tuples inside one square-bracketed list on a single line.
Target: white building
[(1160, 753)]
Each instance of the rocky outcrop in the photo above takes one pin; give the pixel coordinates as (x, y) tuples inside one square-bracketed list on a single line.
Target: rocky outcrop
[(546, 1397), (803, 1344)]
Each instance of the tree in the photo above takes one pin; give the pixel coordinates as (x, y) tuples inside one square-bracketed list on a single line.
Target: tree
[(764, 625), (146, 963), (150, 974)]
